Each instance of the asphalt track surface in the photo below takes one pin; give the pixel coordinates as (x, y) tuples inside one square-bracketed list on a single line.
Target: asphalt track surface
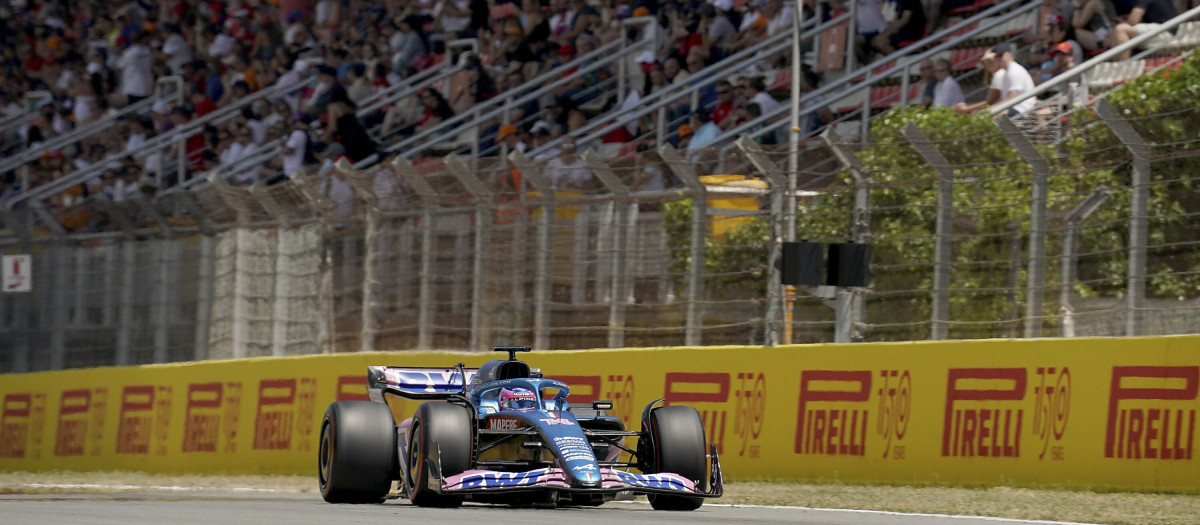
[(291, 509)]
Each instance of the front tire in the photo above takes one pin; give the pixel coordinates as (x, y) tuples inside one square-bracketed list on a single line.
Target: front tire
[(448, 427), (677, 438), (357, 452)]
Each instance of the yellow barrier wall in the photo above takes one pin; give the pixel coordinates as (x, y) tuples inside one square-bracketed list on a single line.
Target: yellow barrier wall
[(1114, 413)]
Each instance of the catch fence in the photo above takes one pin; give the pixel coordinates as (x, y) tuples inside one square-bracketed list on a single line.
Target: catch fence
[(976, 230)]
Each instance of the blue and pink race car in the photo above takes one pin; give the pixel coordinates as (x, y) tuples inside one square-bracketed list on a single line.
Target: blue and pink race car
[(504, 434)]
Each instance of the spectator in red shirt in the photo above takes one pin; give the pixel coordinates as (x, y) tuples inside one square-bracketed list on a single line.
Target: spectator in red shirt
[(723, 112)]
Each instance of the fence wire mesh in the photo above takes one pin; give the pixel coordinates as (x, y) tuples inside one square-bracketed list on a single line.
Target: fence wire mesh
[(1084, 226)]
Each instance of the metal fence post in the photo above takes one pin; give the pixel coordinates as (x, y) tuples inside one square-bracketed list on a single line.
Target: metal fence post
[(480, 334), (860, 231), (370, 279), (625, 216), (429, 199), (1139, 225), (204, 292), (1036, 278), (942, 255), (125, 303), (58, 328), (541, 283), (776, 318), (697, 248)]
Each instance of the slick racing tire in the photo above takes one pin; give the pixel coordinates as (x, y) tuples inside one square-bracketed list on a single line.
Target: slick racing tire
[(357, 453), (677, 438), (447, 427)]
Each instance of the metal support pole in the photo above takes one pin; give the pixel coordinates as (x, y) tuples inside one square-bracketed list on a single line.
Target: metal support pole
[(1067, 269), (159, 250), (1139, 225), (1036, 271), (58, 308), (697, 249), (484, 218), (204, 294), (624, 217), (429, 199), (283, 284), (778, 315), (942, 256), (241, 325), (128, 285), (541, 283), (860, 231)]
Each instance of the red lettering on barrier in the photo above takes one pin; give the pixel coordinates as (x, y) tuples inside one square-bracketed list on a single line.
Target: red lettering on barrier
[(895, 402), (306, 401), (273, 422), (620, 391), (71, 436), (14, 425), (1152, 432), (202, 417), (985, 432), (751, 411), (136, 420), (832, 431), (580, 395), (688, 388), (352, 388)]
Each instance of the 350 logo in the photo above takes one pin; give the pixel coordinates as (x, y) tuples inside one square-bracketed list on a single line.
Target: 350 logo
[(710, 393)]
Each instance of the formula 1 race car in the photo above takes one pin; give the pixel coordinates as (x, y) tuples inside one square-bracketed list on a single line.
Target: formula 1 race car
[(504, 434)]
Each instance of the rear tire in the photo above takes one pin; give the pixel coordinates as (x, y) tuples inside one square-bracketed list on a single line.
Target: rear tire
[(677, 434), (448, 427), (357, 452)]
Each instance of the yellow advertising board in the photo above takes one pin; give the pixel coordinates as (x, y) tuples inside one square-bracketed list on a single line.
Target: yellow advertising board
[(1102, 413)]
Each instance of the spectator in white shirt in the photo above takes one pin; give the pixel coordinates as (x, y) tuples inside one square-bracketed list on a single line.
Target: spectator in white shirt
[(947, 93), (137, 75), (175, 50), (759, 95), (1016, 80), (567, 171)]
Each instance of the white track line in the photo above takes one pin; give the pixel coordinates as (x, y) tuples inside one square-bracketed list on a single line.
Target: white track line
[(173, 488), (176, 488), (893, 513)]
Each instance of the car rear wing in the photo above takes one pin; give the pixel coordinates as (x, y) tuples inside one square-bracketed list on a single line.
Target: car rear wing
[(418, 382)]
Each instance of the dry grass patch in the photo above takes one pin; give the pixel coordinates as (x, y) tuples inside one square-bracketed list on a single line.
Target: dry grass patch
[(1021, 503)]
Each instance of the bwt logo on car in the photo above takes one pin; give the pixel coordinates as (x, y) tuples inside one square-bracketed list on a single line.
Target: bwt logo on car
[(836, 430), (502, 479), (21, 425), (654, 481), (1151, 412)]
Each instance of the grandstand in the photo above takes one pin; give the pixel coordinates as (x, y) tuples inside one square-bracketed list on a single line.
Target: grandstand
[(134, 133)]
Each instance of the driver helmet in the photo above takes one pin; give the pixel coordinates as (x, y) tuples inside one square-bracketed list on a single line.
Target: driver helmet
[(517, 398)]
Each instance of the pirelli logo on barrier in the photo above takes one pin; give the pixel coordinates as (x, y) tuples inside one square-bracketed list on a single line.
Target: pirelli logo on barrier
[(80, 422), (211, 415), (1152, 413), (987, 410), (837, 413), (718, 394), (144, 420), (285, 408), (21, 426)]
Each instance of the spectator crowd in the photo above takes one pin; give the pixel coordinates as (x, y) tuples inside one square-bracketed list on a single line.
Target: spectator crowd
[(309, 67)]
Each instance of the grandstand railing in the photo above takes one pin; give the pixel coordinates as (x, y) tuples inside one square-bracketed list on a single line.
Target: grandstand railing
[(101, 124), (1136, 42), (155, 145), (453, 60), (656, 104), (500, 106), (865, 78)]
